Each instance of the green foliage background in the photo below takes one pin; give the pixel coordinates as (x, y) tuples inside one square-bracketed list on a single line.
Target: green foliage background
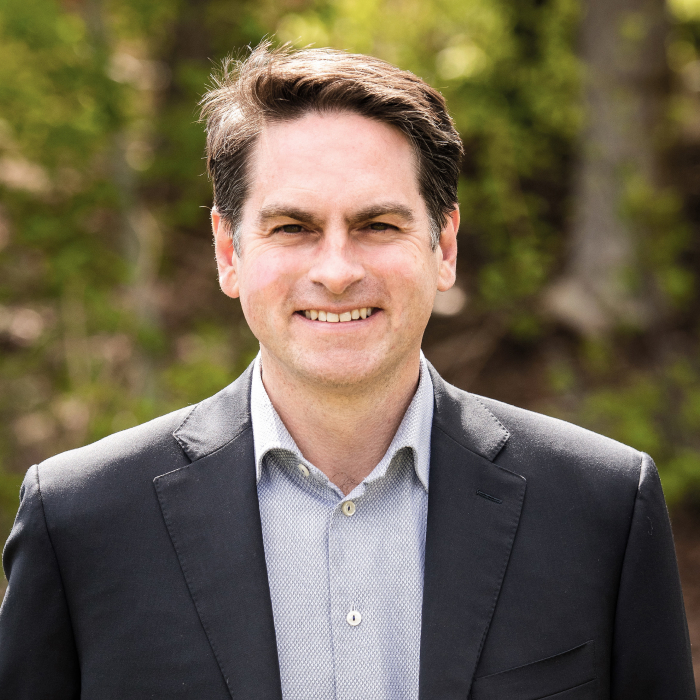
[(109, 311)]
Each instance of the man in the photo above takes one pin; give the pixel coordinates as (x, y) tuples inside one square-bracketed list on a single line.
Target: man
[(340, 522)]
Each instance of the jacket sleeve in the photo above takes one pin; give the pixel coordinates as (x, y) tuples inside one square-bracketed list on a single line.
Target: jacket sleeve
[(651, 649), (38, 657)]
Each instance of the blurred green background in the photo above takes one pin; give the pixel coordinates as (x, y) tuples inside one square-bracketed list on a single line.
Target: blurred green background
[(580, 260)]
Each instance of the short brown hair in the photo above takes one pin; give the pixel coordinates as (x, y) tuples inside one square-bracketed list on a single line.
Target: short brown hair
[(273, 85)]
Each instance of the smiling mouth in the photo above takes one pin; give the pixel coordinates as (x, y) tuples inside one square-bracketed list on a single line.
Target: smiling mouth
[(330, 317)]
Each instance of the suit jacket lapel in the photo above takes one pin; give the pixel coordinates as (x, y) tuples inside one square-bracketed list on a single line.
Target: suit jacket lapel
[(211, 511), (473, 513)]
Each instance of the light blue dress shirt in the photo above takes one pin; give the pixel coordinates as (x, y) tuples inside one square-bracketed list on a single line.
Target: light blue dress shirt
[(345, 572)]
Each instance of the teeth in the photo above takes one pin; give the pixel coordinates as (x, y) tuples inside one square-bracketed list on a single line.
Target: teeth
[(330, 317)]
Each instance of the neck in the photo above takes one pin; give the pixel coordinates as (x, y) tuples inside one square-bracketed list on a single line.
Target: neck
[(343, 433)]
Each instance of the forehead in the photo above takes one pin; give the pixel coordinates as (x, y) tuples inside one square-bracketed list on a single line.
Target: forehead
[(333, 158)]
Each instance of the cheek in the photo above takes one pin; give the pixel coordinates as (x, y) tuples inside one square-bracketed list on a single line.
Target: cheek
[(410, 277), (265, 284)]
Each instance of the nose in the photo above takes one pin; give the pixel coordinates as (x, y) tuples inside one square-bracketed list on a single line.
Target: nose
[(335, 266)]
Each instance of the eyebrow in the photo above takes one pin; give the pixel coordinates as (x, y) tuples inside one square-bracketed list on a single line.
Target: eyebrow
[(275, 211), (375, 211), (287, 212)]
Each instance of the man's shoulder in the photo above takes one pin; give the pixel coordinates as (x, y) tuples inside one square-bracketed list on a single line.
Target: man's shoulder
[(151, 449), (535, 445), (596, 479), (143, 451), (549, 434)]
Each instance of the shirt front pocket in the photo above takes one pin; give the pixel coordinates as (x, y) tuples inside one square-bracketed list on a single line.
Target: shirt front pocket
[(566, 676)]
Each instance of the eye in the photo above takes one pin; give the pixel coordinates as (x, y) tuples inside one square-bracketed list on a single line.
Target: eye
[(290, 228), (379, 226)]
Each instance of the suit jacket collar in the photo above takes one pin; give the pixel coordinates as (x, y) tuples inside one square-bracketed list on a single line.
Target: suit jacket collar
[(220, 418), (211, 511), (466, 420)]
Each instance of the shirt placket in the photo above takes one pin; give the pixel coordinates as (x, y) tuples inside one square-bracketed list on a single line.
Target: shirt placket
[(348, 621)]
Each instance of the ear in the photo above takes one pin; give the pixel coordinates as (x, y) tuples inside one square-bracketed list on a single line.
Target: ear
[(226, 257), (447, 251)]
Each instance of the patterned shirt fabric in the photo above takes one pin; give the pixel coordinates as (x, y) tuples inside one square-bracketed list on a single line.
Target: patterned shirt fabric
[(345, 572)]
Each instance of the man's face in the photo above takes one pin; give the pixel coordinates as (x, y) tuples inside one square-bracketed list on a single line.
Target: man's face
[(334, 223)]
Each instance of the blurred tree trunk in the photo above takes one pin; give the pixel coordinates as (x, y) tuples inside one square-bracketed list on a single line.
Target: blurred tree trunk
[(622, 48), (141, 238)]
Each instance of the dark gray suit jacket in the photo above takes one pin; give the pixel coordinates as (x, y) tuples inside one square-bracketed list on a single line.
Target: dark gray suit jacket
[(136, 565)]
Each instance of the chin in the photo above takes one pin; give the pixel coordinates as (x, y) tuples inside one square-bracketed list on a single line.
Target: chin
[(343, 368)]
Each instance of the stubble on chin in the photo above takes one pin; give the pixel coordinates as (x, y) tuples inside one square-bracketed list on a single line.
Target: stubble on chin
[(347, 373)]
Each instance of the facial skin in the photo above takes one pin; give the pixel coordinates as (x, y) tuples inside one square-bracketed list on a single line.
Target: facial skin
[(334, 221)]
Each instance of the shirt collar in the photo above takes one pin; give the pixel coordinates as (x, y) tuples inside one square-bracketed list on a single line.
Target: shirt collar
[(269, 432)]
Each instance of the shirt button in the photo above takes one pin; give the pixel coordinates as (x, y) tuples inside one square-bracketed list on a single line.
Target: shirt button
[(354, 618), (349, 509), (303, 469)]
